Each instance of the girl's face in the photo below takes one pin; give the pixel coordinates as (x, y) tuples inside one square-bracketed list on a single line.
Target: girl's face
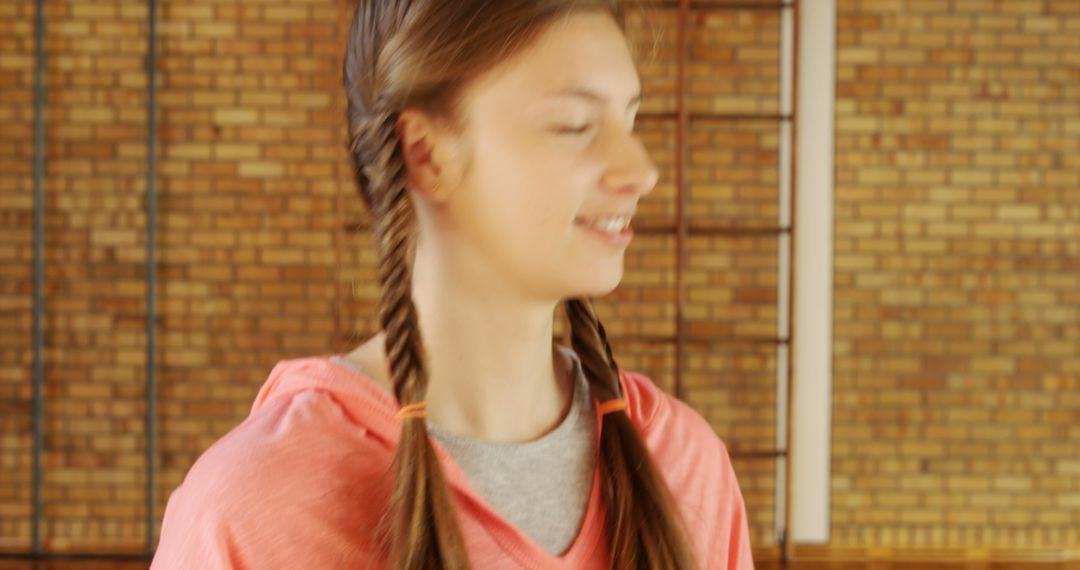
[(552, 156)]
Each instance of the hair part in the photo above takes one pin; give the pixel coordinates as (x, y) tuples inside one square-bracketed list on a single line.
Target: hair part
[(422, 54)]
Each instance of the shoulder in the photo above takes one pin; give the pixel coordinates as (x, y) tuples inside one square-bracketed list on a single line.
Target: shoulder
[(697, 466), (670, 426), (651, 409), (279, 450), (283, 477)]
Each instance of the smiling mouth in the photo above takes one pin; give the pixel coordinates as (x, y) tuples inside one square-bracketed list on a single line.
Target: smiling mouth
[(606, 224), (613, 230)]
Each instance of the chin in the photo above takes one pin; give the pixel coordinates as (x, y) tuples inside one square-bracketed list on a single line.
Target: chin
[(598, 284)]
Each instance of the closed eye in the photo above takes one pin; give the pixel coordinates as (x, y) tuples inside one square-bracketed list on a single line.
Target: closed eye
[(574, 130)]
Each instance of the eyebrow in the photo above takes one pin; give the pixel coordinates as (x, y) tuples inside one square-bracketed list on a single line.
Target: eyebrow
[(593, 96)]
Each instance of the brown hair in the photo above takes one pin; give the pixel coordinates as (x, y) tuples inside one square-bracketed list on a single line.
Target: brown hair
[(420, 54)]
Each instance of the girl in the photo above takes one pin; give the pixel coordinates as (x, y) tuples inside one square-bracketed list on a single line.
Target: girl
[(493, 143)]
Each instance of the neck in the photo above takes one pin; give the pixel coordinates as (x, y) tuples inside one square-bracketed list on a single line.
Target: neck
[(494, 372)]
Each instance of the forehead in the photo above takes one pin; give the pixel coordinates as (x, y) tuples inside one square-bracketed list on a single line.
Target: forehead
[(584, 49)]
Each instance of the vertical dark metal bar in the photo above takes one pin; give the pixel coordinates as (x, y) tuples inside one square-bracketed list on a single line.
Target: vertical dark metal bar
[(788, 548), (39, 261), (681, 161), (151, 272)]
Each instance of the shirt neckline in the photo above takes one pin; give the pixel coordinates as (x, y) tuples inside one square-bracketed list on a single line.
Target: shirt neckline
[(508, 536)]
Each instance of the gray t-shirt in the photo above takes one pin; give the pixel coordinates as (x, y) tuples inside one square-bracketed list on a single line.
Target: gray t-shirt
[(541, 486)]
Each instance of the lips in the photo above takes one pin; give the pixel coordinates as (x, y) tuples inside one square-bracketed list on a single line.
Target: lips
[(613, 229), (607, 223)]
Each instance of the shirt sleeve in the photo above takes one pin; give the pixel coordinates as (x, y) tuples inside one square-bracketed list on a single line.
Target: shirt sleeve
[(194, 534), (731, 550)]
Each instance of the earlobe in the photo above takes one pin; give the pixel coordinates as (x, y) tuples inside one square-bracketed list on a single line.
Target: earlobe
[(437, 192)]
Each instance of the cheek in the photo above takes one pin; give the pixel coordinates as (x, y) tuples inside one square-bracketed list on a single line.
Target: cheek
[(531, 183)]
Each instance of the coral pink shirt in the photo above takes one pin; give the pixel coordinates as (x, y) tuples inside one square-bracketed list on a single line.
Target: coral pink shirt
[(299, 483)]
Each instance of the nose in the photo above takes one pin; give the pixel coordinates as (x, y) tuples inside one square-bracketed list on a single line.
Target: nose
[(631, 170)]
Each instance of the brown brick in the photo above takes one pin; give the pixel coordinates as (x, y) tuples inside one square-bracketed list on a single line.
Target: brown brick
[(973, 203)]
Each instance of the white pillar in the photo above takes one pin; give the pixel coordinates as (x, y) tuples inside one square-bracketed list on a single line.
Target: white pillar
[(811, 448)]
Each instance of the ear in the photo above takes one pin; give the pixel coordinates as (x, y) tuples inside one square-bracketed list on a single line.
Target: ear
[(422, 146)]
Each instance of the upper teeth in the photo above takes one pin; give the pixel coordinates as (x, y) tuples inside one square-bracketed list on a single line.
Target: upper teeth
[(610, 224)]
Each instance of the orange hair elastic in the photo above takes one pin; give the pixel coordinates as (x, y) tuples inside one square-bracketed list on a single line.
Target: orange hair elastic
[(419, 409), (612, 406)]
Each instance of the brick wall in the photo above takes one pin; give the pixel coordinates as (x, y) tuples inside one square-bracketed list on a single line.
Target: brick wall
[(16, 239), (250, 217), (957, 349), (93, 284)]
